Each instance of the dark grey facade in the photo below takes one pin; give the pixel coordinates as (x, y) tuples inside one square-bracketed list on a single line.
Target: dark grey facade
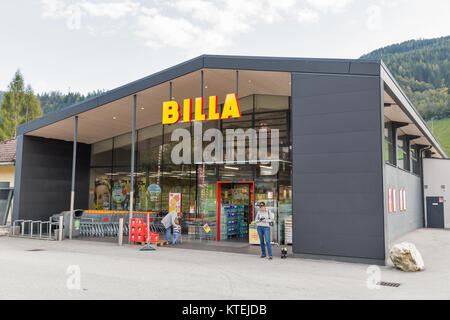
[(44, 172), (339, 177), (338, 171)]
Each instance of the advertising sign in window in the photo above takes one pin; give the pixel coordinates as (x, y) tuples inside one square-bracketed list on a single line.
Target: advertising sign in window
[(174, 202)]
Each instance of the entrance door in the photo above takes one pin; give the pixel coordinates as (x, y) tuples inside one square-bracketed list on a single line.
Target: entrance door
[(435, 212), (235, 209)]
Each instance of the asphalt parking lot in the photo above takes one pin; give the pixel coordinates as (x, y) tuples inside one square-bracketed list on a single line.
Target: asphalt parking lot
[(98, 270)]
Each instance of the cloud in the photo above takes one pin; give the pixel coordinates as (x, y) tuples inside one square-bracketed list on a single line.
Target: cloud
[(329, 5), (193, 25), (113, 10), (307, 15), (52, 8)]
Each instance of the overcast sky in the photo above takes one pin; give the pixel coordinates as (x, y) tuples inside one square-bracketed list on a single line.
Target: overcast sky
[(86, 45)]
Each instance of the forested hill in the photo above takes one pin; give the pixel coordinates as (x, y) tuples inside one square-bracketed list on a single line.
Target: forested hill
[(55, 100), (422, 68)]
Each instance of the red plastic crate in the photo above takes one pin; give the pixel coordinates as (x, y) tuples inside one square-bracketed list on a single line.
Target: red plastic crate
[(154, 237)]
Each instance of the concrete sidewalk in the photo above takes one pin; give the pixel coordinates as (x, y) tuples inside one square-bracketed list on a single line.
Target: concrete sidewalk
[(112, 272)]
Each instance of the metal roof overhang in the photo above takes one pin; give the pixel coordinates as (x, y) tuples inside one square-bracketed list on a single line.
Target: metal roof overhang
[(98, 111), (61, 120)]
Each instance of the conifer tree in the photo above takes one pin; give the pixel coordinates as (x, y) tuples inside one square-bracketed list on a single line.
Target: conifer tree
[(19, 105)]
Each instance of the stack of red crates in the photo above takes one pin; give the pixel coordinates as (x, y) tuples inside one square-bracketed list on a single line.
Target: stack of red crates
[(138, 231)]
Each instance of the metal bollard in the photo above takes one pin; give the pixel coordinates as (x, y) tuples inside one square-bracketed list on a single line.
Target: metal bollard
[(60, 236), (50, 229), (120, 231)]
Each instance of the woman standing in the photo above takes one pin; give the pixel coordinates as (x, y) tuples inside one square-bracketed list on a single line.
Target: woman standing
[(263, 219)]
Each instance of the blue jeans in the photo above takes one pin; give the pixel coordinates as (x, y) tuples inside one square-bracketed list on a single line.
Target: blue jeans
[(264, 234), (169, 235), (176, 235)]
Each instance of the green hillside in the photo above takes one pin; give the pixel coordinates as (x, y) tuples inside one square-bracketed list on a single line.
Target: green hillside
[(422, 68), (441, 130)]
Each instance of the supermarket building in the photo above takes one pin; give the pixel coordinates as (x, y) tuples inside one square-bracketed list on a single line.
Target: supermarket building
[(349, 150)]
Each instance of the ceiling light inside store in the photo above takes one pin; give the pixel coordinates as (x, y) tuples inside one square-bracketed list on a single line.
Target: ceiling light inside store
[(233, 168)]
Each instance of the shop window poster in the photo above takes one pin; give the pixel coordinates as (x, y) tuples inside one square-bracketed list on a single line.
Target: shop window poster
[(120, 193), (174, 202), (102, 195)]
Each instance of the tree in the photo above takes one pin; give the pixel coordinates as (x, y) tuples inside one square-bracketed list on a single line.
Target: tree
[(19, 105), (32, 107)]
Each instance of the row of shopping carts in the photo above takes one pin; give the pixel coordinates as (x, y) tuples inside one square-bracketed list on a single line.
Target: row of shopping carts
[(91, 225), (94, 225)]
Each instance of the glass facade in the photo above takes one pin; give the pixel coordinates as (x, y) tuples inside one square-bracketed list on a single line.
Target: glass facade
[(157, 175), (388, 143), (414, 160), (402, 153)]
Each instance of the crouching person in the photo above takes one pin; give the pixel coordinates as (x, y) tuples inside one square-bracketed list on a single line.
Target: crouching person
[(169, 221)]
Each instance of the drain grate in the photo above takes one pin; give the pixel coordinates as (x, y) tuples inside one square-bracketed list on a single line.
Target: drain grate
[(389, 284), (35, 250)]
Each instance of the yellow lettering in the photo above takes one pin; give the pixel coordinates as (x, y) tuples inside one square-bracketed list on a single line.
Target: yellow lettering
[(213, 115), (187, 110), (171, 112), (231, 107), (199, 115)]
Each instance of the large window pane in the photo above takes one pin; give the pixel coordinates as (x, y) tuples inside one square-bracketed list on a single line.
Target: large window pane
[(122, 150), (402, 153), (388, 143), (100, 189), (270, 102), (414, 160), (101, 153)]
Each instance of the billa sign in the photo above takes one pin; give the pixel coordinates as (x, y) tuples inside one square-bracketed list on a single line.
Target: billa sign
[(172, 111)]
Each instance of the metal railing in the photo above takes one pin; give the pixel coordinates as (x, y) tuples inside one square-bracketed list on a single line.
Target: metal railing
[(28, 228)]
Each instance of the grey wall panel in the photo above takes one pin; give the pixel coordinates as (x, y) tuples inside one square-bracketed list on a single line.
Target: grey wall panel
[(401, 222), (323, 163), (46, 174), (342, 66), (17, 177), (360, 121), (365, 68), (338, 171), (277, 64), (334, 142)]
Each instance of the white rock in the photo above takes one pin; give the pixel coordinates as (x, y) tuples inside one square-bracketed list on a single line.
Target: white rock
[(406, 257), (4, 231)]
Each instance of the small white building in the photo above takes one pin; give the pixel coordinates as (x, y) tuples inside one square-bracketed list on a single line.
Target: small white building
[(436, 184)]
